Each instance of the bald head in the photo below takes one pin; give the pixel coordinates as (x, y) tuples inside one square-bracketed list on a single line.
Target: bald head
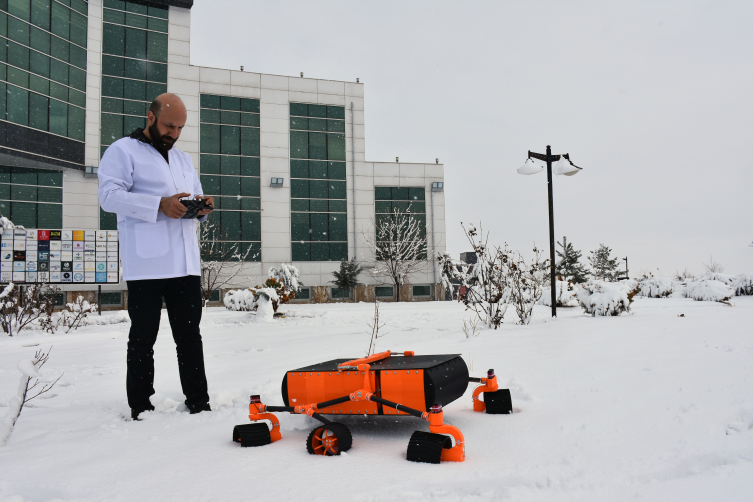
[(167, 102), (167, 116)]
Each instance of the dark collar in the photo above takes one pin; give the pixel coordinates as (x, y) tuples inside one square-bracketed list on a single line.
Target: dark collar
[(139, 135)]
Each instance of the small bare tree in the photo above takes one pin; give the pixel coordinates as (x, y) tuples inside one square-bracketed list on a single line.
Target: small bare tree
[(29, 369), (221, 259), (470, 327), (713, 267), (75, 314), (22, 306), (375, 325), (399, 248), (526, 280), (487, 291)]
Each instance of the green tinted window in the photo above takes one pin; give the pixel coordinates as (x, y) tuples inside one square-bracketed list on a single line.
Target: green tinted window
[(36, 196), (232, 170), (317, 149), (143, 70)]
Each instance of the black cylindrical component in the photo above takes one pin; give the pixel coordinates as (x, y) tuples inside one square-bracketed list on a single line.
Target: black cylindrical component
[(333, 402), (474, 379), (398, 406), (321, 418), (289, 409), (490, 373), (255, 398)]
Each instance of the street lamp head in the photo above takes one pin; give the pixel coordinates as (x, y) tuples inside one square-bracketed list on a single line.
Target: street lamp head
[(566, 168), (530, 168)]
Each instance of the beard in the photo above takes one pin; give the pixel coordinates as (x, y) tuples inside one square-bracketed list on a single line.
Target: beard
[(161, 142)]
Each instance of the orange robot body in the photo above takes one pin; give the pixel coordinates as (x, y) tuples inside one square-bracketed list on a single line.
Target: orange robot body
[(387, 383)]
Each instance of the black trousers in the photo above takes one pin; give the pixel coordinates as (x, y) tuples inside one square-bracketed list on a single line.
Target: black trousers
[(183, 299)]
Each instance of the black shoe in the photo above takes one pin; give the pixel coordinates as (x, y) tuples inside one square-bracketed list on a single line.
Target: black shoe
[(199, 409), (135, 412)]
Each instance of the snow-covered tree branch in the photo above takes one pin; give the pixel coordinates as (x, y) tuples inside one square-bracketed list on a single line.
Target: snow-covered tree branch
[(29, 369), (221, 259), (399, 246)]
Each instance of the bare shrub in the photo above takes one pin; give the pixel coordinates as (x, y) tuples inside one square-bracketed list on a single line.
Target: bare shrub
[(29, 369), (24, 306), (713, 267), (221, 260), (75, 313), (375, 325), (470, 327)]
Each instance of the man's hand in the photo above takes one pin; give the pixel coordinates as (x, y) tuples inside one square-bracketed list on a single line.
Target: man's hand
[(209, 201), (172, 207)]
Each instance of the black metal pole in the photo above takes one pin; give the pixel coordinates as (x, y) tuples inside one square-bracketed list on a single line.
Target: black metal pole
[(551, 228), (99, 299)]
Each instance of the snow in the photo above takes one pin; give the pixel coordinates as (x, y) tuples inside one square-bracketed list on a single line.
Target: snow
[(743, 285), (566, 295), (645, 406), (709, 291), (600, 298), (656, 287), (239, 299)]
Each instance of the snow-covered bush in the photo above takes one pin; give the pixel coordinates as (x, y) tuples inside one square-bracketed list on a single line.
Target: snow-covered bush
[(265, 299), (487, 289), (29, 306), (718, 276), (709, 291), (287, 275), (743, 285), (29, 369), (656, 287), (600, 298), (75, 314), (239, 299), (566, 295)]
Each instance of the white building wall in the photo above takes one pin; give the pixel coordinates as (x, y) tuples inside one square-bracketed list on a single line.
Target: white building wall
[(275, 92), (80, 203)]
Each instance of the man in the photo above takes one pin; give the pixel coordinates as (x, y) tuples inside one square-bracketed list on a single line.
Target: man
[(142, 178)]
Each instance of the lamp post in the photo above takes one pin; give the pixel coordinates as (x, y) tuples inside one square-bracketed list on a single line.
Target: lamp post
[(564, 168)]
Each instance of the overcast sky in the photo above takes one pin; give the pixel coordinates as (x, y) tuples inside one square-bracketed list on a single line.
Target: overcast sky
[(652, 99)]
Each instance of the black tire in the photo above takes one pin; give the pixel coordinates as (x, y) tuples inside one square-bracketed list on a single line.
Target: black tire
[(499, 402), (315, 442), (252, 434), (427, 447)]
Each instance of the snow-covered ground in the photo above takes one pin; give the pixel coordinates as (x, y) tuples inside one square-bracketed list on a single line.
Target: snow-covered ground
[(646, 406)]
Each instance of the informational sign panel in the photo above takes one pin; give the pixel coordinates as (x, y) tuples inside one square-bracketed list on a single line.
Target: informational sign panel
[(59, 256)]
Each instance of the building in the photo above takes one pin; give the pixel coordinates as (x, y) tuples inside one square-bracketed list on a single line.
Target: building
[(285, 156)]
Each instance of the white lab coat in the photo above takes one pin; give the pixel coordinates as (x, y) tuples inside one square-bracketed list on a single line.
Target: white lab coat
[(133, 177)]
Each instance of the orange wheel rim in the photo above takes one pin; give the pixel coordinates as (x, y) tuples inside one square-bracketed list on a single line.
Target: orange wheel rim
[(324, 442)]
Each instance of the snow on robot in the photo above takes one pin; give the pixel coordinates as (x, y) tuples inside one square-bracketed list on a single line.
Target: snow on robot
[(388, 383)]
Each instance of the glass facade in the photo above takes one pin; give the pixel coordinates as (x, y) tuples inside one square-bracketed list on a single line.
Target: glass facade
[(340, 293), (384, 291), (43, 67), (134, 65), (319, 228), (389, 201), (230, 166), (421, 290), (32, 197)]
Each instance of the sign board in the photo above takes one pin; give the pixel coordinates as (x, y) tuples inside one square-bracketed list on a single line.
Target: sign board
[(59, 256)]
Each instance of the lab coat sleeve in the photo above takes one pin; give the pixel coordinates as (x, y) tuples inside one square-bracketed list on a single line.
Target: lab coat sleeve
[(115, 175), (197, 190)]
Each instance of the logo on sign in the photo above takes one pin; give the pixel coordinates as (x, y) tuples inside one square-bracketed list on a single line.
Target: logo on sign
[(100, 267), (66, 266), (54, 235), (78, 277)]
